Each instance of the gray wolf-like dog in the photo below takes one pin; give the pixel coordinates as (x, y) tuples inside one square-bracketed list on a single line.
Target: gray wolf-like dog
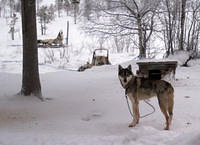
[(58, 40), (137, 89)]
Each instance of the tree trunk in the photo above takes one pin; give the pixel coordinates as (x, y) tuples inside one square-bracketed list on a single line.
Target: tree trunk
[(11, 8), (75, 7), (141, 48), (169, 26), (30, 81), (181, 47), (0, 11), (189, 34)]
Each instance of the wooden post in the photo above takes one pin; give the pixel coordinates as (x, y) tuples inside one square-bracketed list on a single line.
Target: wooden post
[(67, 37), (12, 29)]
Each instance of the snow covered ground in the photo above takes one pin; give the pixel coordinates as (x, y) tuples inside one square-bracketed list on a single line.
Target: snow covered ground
[(89, 108)]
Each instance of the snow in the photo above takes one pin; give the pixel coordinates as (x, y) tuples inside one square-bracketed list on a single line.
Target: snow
[(88, 108)]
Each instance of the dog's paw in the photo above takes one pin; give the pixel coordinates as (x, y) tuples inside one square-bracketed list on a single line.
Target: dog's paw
[(166, 128), (132, 125)]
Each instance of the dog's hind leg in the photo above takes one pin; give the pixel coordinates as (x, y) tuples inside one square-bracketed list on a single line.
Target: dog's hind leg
[(170, 106), (163, 103)]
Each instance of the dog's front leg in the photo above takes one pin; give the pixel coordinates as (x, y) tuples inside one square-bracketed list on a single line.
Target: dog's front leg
[(136, 115)]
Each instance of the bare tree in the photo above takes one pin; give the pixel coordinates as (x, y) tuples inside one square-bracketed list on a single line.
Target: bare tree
[(30, 81), (38, 4), (59, 4), (193, 24), (177, 20), (181, 39), (125, 17), (46, 15), (87, 9), (67, 6), (170, 20), (180, 21), (11, 5), (12, 26), (76, 7)]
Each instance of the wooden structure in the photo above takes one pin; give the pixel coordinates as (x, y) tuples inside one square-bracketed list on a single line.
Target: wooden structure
[(97, 60), (100, 59), (156, 69), (52, 43), (51, 46)]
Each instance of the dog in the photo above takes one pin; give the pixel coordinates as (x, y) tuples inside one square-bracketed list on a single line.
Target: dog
[(57, 41), (137, 89)]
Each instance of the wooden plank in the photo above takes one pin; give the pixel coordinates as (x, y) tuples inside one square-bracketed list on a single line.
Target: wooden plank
[(157, 62)]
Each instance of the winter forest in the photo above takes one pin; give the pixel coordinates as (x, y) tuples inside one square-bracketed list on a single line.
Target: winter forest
[(78, 72)]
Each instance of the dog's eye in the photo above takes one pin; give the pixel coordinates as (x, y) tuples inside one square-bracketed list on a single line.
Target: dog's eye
[(120, 73), (128, 73)]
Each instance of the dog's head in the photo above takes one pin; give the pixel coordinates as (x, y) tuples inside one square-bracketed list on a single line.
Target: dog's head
[(125, 75)]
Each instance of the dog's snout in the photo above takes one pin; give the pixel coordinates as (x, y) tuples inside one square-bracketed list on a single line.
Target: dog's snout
[(125, 80)]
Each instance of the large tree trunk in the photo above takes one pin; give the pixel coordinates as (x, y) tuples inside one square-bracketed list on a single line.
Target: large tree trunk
[(30, 81)]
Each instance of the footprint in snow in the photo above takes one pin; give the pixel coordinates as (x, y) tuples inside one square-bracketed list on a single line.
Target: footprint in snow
[(91, 116)]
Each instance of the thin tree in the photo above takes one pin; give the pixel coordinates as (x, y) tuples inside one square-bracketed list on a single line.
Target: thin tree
[(183, 7), (59, 4), (67, 6), (75, 5), (46, 15), (30, 81), (169, 16)]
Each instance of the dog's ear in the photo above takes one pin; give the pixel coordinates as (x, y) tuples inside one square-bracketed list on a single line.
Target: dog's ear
[(129, 67), (119, 67)]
